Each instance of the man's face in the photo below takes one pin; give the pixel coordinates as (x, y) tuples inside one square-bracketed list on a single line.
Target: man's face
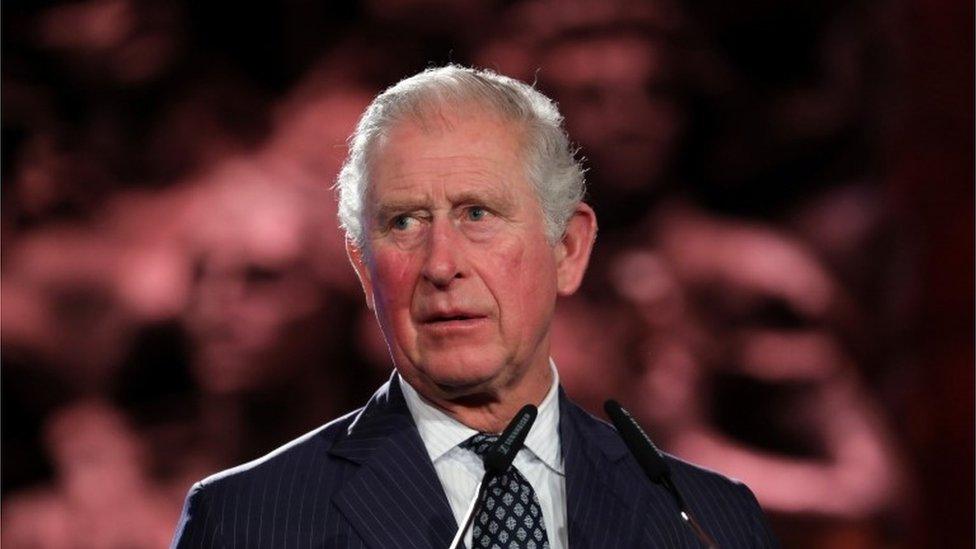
[(458, 267), (614, 93)]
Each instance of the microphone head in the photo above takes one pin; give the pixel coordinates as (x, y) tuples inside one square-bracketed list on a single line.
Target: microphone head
[(500, 456), (641, 446)]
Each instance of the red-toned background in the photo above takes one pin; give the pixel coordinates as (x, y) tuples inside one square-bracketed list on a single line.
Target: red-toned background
[(782, 288)]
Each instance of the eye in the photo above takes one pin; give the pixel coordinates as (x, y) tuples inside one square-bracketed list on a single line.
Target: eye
[(477, 213), (402, 222)]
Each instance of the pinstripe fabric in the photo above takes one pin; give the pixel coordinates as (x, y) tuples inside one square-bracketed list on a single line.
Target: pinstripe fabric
[(460, 470), (612, 504), (366, 480)]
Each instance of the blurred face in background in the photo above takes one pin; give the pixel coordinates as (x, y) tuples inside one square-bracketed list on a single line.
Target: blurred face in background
[(613, 90), (97, 454), (458, 267), (256, 301), (243, 311)]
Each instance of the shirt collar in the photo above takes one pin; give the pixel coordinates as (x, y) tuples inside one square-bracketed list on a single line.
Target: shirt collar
[(441, 432), (543, 437)]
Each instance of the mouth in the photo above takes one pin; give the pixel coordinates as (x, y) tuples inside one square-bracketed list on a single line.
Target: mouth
[(452, 319)]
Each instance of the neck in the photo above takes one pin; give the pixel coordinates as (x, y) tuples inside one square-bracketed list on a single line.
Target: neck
[(491, 412)]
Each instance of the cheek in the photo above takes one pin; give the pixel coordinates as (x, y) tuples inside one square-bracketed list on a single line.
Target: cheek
[(394, 277), (524, 280)]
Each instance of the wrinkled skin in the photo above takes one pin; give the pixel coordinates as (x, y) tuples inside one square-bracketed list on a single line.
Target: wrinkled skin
[(458, 267)]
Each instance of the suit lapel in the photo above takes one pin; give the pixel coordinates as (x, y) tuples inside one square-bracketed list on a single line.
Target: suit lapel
[(599, 508), (395, 498)]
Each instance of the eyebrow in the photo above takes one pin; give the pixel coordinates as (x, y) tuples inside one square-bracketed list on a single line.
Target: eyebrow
[(489, 196), (496, 198), (388, 209)]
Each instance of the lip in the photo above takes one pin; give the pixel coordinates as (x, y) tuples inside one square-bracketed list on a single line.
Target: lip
[(444, 314), (453, 321)]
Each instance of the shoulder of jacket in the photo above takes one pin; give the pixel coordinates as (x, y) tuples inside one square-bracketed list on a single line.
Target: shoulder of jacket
[(319, 439)]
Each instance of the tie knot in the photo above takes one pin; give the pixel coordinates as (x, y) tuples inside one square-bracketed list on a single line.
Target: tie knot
[(479, 443)]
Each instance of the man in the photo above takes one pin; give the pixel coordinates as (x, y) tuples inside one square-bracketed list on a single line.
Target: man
[(462, 203)]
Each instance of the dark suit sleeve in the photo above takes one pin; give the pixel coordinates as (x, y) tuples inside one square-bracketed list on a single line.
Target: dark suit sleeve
[(762, 536), (197, 527)]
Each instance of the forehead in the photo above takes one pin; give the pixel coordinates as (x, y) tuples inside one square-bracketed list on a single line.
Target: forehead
[(478, 153)]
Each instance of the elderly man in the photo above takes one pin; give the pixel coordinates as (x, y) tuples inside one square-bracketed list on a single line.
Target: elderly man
[(462, 203)]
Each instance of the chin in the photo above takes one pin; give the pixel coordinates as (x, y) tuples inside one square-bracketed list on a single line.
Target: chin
[(458, 377)]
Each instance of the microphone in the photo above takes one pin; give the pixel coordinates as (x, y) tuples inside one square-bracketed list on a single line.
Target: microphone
[(652, 462), (497, 460), (640, 445), (501, 455)]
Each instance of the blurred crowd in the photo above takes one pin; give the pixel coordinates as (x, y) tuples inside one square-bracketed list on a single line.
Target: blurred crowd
[(176, 297)]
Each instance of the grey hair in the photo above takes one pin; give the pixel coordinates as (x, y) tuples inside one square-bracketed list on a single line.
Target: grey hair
[(551, 164)]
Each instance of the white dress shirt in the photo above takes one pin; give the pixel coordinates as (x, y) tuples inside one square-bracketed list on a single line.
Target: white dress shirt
[(540, 461)]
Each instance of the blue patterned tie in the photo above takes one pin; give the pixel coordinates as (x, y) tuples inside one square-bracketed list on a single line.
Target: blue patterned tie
[(510, 516)]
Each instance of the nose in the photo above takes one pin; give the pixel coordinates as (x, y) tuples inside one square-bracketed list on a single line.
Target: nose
[(443, 262)]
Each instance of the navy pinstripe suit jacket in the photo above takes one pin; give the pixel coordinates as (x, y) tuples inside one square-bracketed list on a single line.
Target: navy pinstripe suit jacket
[(365, 480)]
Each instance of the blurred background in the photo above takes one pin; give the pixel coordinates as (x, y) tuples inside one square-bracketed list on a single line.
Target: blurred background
[(782, 288)]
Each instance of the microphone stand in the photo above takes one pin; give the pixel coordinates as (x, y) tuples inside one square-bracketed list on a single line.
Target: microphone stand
[(498, 459), (652, 462), (686, 515), (473, 509)]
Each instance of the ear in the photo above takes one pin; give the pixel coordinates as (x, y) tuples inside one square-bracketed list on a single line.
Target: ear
[(573, 251), (362, 270)]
